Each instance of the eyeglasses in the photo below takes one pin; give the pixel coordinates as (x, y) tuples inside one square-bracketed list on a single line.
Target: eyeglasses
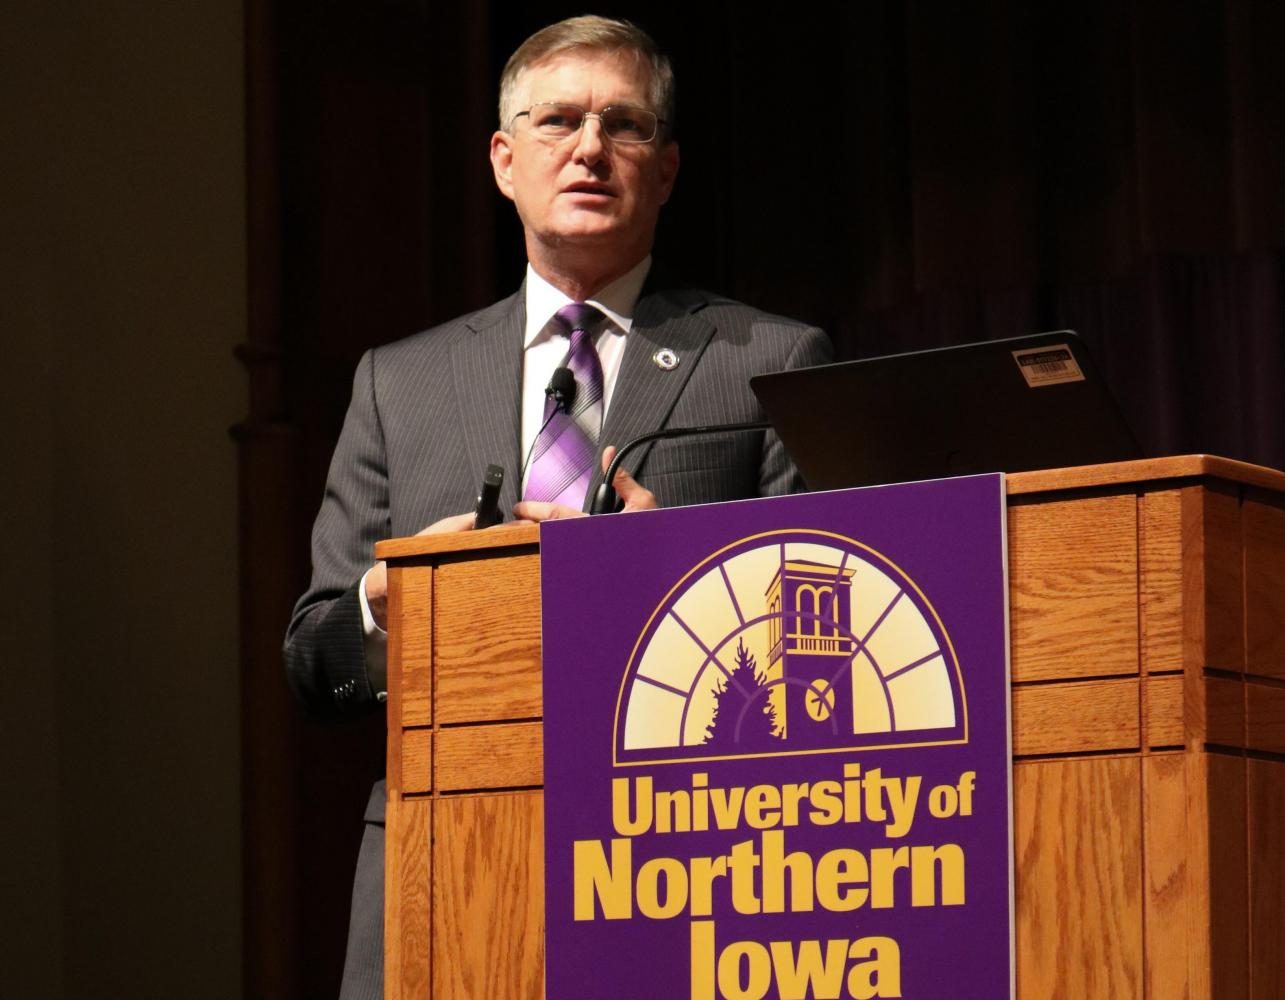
[(622, 124)]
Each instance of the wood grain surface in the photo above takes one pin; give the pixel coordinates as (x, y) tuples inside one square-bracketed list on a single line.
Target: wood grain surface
[(511, 535), (1267, 878), (1073, 585), (417, 761), (414, 658), (1265, 722), (487, 655), (1213, 598), (1143, 472), (1168, 888), (1224, 714), (506, 755), (1160, 580), (409, 660), (408, 899), (1077, 827), (488, 897), (1163, 711), (1222, 895), (1099, 715), (1264, 534)]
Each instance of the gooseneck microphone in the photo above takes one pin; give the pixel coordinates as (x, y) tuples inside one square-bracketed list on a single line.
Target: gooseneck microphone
[(562, 390), (605, 500)]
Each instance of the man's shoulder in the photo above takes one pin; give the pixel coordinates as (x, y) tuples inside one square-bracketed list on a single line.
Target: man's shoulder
[(742, 334)]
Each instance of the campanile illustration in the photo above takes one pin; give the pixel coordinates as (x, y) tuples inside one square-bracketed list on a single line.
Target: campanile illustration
[(809, 608)]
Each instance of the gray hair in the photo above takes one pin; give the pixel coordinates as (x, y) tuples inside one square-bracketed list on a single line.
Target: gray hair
[(597, 34)]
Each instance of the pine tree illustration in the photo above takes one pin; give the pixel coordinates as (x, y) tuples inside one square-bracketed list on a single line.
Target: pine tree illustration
[(759, 729)]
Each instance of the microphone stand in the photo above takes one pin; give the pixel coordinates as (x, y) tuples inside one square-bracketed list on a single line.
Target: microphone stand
[(605, 500)]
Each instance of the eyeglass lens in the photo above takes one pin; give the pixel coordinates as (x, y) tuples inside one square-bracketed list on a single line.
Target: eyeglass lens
[(622, 124)]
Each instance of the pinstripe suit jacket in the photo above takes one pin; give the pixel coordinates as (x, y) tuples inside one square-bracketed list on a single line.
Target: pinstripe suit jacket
[(430, 412)]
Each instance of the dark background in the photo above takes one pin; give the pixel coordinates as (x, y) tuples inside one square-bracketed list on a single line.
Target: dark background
[(905, 175)]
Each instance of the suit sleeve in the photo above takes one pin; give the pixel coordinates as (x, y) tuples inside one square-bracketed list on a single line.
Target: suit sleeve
[(777, 473), (325, 644)]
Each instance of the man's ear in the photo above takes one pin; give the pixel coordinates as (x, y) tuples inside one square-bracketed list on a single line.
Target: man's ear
[(502, 162), (668, 170)]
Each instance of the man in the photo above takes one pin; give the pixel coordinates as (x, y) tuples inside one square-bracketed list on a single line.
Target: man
[(585, 153)]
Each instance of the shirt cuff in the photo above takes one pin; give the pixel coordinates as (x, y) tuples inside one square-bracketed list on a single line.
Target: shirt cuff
[(376, 644)]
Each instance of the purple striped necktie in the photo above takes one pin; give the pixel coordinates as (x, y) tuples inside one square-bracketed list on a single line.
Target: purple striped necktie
[(565, 455)]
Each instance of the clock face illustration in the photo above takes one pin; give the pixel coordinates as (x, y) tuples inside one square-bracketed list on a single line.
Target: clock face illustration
[(798, 641)]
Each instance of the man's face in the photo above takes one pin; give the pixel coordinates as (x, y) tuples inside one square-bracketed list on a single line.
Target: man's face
[(585, 190)]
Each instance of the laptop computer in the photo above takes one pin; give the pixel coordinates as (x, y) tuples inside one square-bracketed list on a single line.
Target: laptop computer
[(1033, 402)]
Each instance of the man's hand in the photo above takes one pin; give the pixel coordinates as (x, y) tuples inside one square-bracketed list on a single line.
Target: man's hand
[(633, 493), (377, 578), (635, 496)]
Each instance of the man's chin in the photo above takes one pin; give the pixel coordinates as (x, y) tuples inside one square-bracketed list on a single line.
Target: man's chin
[(590, 232)]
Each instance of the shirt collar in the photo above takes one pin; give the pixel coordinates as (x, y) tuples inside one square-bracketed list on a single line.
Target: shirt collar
[(617, 300)]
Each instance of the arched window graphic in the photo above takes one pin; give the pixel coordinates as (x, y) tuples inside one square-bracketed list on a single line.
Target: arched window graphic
[(827, 617), (807, 604), (847, 653)]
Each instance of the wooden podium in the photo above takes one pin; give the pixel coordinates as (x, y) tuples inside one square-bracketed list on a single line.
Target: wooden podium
[(1148, 661)]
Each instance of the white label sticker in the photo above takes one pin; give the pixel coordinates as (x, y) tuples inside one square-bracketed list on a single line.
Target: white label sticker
[(1048, 365)]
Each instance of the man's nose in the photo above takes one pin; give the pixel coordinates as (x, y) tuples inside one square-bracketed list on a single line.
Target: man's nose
[(590, 146)]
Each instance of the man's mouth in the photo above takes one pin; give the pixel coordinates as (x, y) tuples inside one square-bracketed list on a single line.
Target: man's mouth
[(588, 187)]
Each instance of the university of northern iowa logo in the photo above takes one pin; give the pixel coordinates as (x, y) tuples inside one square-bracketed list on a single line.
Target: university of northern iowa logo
[(794, 641)]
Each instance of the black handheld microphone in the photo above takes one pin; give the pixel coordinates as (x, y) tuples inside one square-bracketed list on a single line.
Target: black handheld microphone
[(605, 500), (487, 511)]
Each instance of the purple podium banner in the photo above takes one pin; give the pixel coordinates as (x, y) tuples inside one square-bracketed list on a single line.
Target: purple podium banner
[(777, 748)]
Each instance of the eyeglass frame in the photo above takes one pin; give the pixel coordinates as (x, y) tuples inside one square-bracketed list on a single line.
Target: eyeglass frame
[(586, 114)]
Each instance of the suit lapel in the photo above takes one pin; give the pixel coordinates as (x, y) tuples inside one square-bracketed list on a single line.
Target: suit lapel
[(487, 362), (645, 393)]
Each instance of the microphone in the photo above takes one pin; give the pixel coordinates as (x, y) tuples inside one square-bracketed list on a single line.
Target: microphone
[(562, 390), (605, 500)]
